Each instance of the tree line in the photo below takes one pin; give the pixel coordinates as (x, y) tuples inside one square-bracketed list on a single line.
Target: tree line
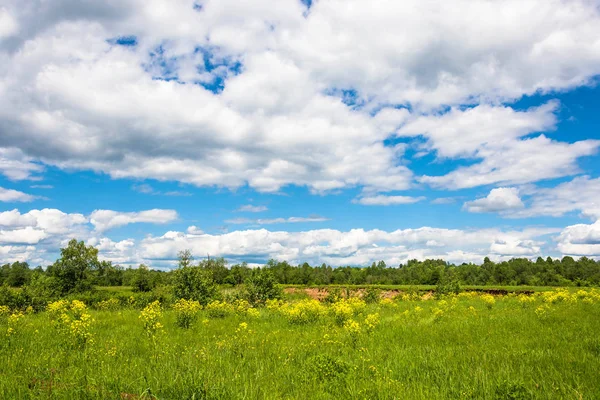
[(78, 269)]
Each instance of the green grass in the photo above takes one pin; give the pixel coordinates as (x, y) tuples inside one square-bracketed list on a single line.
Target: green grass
[(508, 351)]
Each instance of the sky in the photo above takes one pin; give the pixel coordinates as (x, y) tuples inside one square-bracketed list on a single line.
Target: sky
[(328, 131)]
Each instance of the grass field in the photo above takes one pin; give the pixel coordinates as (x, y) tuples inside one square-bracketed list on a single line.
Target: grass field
[(470, 346)]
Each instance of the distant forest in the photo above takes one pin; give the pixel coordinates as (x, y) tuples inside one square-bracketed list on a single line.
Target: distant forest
[(518, 271)]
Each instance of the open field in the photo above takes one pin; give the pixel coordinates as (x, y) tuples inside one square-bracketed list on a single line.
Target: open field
[(468, 346)]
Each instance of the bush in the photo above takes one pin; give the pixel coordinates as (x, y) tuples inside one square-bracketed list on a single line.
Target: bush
[(447, 286), (261, 286), (192, 283), (334, 294), (371, 295), (219, 309), (186, 312)]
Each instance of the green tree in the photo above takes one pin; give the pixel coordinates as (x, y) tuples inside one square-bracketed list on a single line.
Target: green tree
[(74, 267), (142, 281), (193, 282)]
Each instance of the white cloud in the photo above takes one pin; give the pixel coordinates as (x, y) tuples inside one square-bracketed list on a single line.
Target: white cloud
[(498, 200), (580, 194), (383, 200), (251, 208), (580, 240), (520, 162), (194, 230), (104, 220), (356, 246), (16, 166), (10, 195), (72, 99), (27, 235), (494, 135), (50, 220), (8, 24)]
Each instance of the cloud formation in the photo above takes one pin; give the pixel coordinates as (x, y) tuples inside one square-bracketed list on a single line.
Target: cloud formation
[(103, 220), (270, 96), (498, 200)]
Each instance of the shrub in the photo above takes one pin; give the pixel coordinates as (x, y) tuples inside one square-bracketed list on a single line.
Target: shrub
[(333, 295), (219, 309), (371, 295), (186, 312), (261, 286), (303, 312), (108, 305), (192, 283)]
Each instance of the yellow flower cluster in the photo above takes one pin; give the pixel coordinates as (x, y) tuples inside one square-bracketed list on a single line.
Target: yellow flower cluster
[(489, 300), (4, 311), (72, 320), (57, 308), (108, 305), (303, 311), (344, 309), (219, 309), (557, 296), (525, 300), (186, 312), (244, 308), (410, 297), (386, 301), (353, 330), (151, 316), (13, 322), (371, 322), (274, 304), (564, 296)]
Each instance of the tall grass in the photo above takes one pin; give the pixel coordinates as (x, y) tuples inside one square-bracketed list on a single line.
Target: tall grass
[(456, 347)]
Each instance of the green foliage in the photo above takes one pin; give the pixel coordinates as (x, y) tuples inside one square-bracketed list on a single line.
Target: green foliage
[(261, 286), (447, 285), (74, 267), (334, 295), (193, 283), (371, 295), (142, 281)]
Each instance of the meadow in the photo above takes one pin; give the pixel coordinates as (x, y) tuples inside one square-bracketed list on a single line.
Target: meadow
[(470, 345)]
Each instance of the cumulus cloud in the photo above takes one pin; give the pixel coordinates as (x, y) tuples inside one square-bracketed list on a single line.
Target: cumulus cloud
[(580, 240), (10, 195), (579, 194), (493, 134), (103, 220), (383, 200), (274, 96), (16, 166), (498, 200)]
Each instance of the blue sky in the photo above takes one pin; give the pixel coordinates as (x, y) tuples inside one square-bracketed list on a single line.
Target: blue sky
[(322, 131)]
